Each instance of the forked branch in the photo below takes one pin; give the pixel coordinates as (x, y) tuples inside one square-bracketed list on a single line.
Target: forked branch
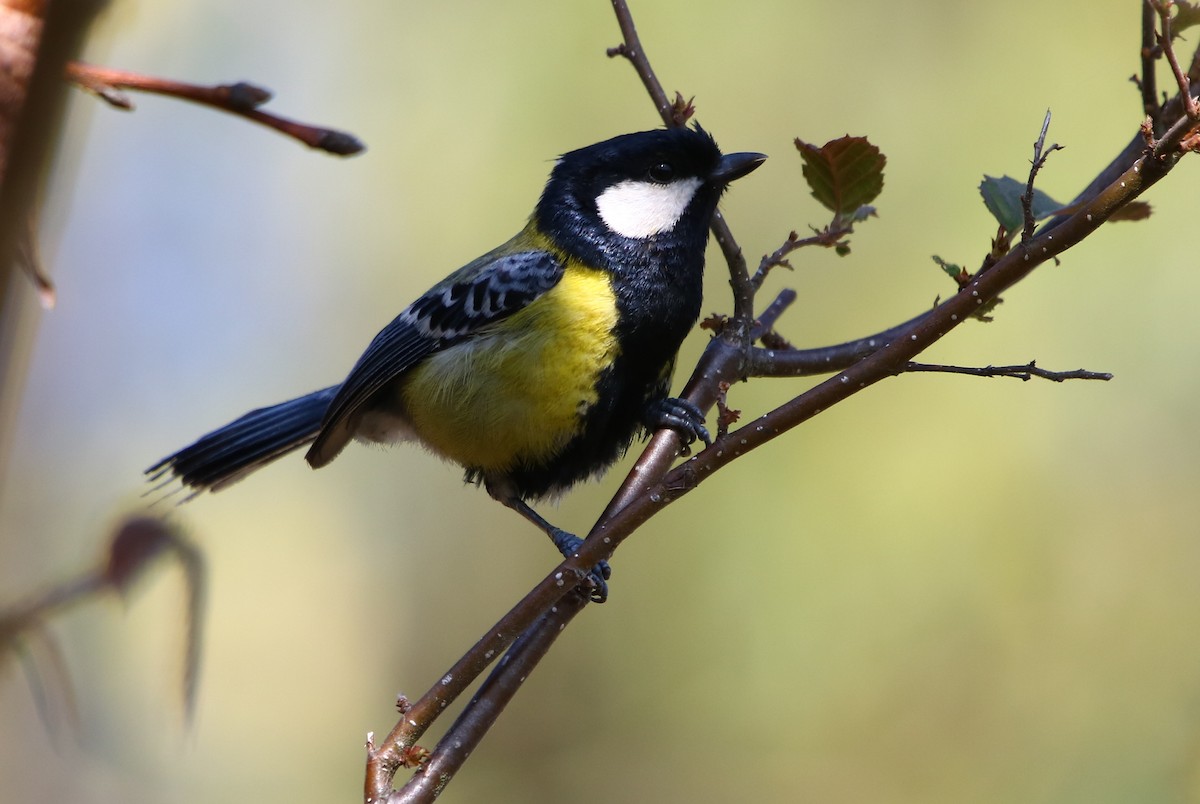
[(531, 626)]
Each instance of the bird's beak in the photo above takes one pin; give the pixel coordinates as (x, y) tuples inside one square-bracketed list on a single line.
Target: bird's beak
[(734, 166)]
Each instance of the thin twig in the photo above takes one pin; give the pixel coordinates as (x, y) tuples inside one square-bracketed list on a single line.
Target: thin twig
[(1040, 155), (631, 49), (241, 99), (767, 318), (739, 274), (1024, 372), (1148, 83), (828, 237), (1190, 107)]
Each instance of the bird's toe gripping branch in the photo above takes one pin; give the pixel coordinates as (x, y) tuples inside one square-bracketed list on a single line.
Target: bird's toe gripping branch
[(568, 545), (680, 415)]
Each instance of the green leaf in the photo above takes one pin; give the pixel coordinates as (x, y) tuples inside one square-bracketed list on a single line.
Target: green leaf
[(844, 174), (955, 271), (1002, 197)]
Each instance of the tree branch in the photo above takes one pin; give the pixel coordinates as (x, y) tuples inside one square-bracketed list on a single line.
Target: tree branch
[(631, 48), (240, 99), (134, 546), (653, 484), (1023, 372)]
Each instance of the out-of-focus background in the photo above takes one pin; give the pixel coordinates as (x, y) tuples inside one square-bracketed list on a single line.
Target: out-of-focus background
[(945, 590)]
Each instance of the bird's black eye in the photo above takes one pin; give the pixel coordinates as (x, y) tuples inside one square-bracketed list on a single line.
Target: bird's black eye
[(662, 172)]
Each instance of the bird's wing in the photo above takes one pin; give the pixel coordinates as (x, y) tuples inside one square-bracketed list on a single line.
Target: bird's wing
[(482, 292)]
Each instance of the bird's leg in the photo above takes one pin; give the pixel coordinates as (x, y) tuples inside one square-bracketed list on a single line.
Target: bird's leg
[(567, 543)]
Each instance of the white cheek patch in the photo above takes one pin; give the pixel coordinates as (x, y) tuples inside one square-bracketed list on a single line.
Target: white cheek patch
[(642, 209)]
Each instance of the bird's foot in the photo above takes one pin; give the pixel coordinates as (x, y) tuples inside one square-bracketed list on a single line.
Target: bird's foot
[(680, 415), (568, 545)]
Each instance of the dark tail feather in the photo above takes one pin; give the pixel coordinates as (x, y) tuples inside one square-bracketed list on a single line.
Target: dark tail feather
[(226, 455)]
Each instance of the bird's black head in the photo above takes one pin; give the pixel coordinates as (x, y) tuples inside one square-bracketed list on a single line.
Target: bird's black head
[(652, 188)]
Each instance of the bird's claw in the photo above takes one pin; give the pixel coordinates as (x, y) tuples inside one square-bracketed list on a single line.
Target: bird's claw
[(680, 415), (597, 577)]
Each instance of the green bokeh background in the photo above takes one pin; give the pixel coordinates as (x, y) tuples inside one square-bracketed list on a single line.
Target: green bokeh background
[(944, 590)]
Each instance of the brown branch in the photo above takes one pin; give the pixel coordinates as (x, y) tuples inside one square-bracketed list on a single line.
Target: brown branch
[(1190, 107), (829, 237), (631, 49), (1148, 83), (1023, 372), (395, 751), (133, 547), (767, 362), (487, 704), (36, 39), (241, 99), (1040, 154), (653, 484), (923, 332)]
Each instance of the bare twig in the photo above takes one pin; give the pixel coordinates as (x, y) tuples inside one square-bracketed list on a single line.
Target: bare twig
[(1025, 372), (1148, 83), (767, 318), (631, 49), (1040, 154), (241, 99), (739, 275), (1190, 107), (829, 237)]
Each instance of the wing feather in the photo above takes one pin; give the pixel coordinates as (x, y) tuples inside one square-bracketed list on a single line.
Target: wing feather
[(481, 293)]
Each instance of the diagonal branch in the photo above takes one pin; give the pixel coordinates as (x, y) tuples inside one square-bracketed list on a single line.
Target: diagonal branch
[(653, 484), (487, 704)]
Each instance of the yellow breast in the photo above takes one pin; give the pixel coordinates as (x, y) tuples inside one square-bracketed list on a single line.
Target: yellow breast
[(513, 393)]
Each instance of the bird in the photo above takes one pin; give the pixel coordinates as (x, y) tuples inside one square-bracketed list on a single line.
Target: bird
[(535, 366)]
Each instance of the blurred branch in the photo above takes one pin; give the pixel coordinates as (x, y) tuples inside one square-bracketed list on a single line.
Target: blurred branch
[(36, 39), (241, 99), (134, 547), (653, 484)]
